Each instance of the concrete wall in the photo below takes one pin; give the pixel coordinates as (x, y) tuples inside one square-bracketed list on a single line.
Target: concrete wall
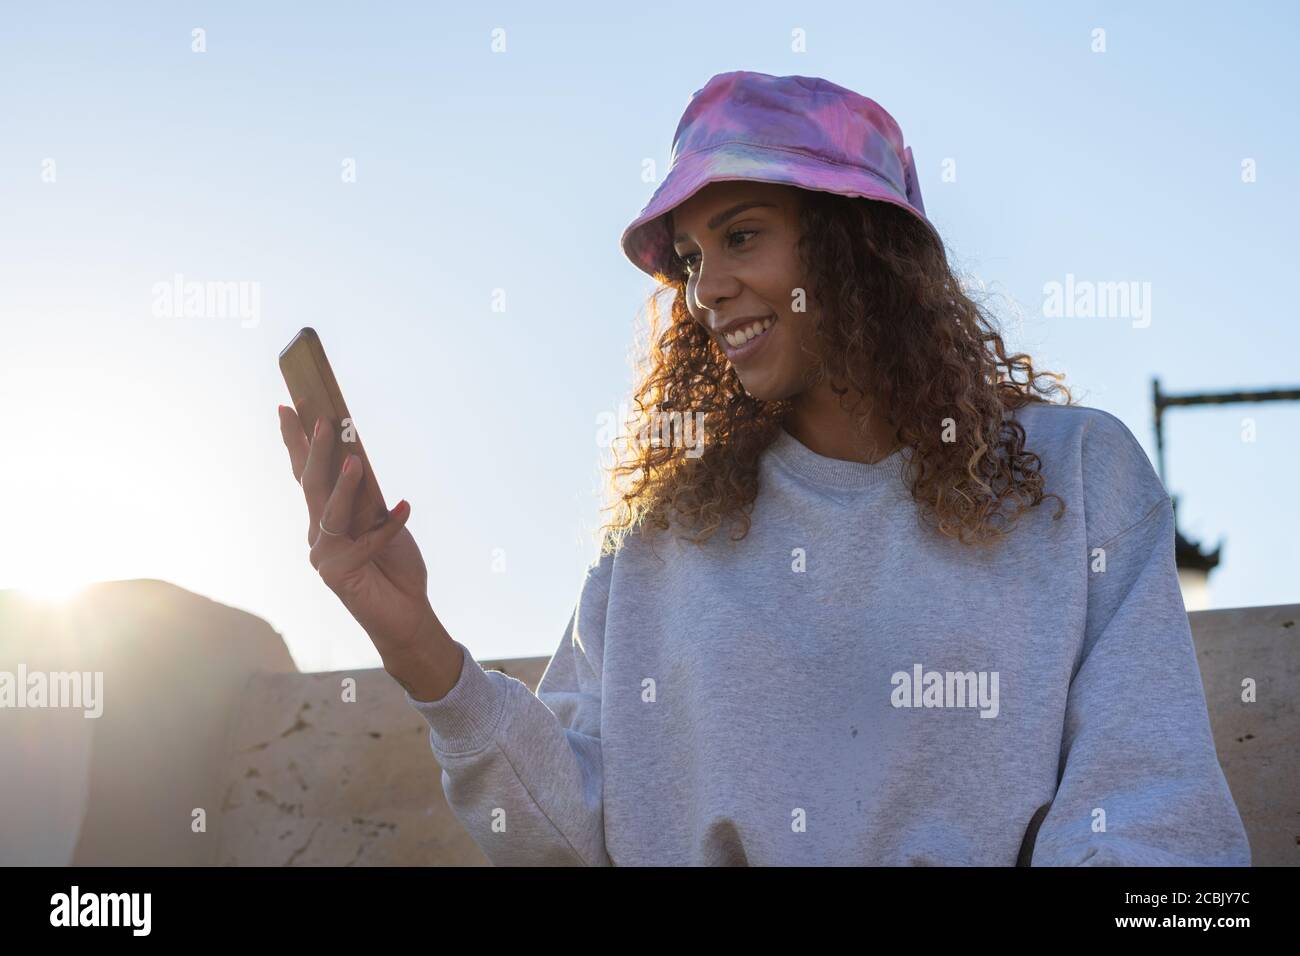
[(318, 780), (122, 788), (1258, 743), (315, 778), (204, 709)]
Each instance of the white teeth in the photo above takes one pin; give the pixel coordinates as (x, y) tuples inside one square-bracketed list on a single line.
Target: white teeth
[(739, 338)]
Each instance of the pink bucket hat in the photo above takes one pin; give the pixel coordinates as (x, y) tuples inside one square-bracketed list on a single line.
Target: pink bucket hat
[(798, 130)]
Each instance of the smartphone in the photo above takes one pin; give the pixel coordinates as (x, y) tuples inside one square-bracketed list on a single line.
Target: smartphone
[(315, 393)]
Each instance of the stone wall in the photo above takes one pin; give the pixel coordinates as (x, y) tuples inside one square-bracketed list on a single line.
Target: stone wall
[(206, 717)]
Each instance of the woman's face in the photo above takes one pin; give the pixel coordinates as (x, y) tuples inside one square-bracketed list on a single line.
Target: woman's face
[(738, 240)]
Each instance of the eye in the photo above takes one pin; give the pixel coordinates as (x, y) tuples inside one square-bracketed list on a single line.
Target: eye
[(686, 259)]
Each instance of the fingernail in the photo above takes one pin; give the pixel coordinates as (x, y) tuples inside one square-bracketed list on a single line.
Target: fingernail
[(401, 506), (349, 464), (315, 433)]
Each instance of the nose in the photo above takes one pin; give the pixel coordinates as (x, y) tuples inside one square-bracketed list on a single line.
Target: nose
[(714, 285)]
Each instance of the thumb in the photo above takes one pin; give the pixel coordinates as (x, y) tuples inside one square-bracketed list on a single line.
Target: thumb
[(336, 569), (375, 540)]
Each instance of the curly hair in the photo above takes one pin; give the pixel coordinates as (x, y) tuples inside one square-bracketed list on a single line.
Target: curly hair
[(893, 325)]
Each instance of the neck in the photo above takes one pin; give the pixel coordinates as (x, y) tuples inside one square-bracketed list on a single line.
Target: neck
[(818, 421)]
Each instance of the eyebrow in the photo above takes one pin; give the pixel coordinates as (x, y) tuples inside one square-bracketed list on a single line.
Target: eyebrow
[(726, 214)]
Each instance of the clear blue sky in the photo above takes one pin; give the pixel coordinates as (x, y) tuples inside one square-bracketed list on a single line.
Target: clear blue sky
[(142, 446)]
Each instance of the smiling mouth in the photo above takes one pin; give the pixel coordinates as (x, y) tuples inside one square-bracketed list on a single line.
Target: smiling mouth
[(740, 338)]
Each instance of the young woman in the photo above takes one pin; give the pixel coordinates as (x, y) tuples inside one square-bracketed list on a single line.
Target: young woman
[(900, 652)]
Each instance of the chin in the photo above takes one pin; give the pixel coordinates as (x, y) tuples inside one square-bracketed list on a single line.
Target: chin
[(765, 388)]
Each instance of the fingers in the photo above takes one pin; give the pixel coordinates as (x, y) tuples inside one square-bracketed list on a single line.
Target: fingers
[(295, 440), (337, 564), (337, 513), (318, 476), (374, 541)]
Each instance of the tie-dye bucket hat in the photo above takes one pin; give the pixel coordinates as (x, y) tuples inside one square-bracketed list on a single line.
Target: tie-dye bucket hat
[(798, 130)]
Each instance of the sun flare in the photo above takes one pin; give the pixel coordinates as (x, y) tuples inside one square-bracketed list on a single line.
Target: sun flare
[(53, 589)]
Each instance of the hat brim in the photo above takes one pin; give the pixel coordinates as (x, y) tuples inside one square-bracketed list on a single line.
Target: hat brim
[(647, 242)]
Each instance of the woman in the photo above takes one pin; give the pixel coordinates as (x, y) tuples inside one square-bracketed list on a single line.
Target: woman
[(901, 656)]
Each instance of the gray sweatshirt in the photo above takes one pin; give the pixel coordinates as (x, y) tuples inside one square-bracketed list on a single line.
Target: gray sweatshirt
[(845, 687)]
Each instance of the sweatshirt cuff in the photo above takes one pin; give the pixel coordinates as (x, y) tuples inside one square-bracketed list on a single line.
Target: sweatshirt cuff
[(466, 717)]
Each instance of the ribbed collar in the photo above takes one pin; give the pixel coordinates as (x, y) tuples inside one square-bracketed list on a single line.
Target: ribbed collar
[(835, 472)]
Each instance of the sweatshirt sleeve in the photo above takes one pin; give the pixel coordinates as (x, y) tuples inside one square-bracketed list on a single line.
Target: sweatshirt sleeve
[(1137, 745), (522, 771)]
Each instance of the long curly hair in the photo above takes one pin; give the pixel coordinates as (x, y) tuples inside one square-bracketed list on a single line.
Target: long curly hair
[(894, 326)]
